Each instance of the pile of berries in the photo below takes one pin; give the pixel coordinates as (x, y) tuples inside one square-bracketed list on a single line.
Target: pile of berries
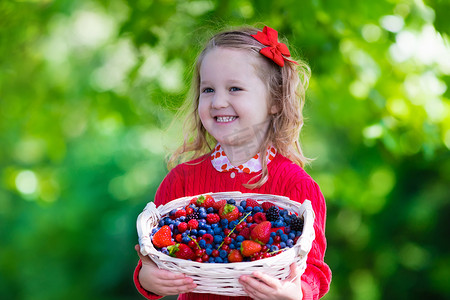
[(224, 231)]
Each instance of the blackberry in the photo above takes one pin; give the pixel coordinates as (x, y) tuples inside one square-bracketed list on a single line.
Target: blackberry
[(195, 215), (297, 224), (273, 213)]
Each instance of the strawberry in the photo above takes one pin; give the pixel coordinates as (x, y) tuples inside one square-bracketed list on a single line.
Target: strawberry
[(163, 237), (193, 201), (261, 232), (252, 203), (235, 256), (249, 247), (206, 201), (229, 212), (218, 204), (212, 218), (259, 217), (181, 251)]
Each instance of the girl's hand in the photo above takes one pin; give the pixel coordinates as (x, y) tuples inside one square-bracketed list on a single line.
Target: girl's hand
[(162, 282), (261, 286)]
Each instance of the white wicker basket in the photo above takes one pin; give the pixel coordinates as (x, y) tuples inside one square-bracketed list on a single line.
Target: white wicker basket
[(223, 278)]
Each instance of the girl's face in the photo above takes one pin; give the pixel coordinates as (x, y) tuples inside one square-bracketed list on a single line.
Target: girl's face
[(234, 103)]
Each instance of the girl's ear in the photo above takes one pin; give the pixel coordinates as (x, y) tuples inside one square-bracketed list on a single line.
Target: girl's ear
[(274, 109)]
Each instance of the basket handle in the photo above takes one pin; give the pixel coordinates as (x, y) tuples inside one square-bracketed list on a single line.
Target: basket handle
[(147, 219), (308, 235)]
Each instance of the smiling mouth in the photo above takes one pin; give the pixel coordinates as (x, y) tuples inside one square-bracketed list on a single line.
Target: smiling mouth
[(225, 119)]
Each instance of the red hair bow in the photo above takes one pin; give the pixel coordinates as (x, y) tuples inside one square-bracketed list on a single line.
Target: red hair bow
[(275, 51)]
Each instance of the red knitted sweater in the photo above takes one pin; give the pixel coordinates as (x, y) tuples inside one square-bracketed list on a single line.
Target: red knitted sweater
[(285, 179)]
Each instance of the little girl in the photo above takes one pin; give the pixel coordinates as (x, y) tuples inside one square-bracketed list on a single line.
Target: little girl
[(246, 119)]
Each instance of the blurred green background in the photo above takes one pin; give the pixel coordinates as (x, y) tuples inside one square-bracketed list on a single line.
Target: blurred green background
[(88, 89)]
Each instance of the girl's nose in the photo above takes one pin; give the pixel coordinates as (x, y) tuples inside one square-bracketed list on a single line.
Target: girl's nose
[(219, 100)]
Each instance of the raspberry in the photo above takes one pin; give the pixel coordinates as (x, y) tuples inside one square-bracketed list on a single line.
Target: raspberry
[(266, 205), (182, 227), (259, 217), (193, 224), (252, 203)]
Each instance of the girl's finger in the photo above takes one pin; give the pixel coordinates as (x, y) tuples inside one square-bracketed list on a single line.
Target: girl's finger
[(142, 257), (268, 280), (294, 274)]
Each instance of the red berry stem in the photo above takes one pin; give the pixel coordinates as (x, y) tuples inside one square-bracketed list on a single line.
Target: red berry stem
[(195, 241)]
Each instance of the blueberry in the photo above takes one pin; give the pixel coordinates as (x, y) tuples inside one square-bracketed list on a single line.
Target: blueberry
[(201, 232), (202, 226), (154, 230), (193, 231), (201, 209), (273, 234), (231, 201), (210, 210), (279, 223), (171, 227), (211, 260), (282, 245), (240, 209), (184, 234), (218, 259), (165, 251), (289, 243), (214, 225), (284, 237), (210, 231), (202, 243), (274, 248), (240, 238), (203, 215), (182, 219), (172, 212), (186, 239), (217, 230), (224, 222), (287, 230), (243, 203), (223, 253), (233, 224), (161, 223), (232, 246), (270, 242), (280, 232), (238, 245), (218, 239), (257, 209), (291, 235), (248, 209), (209, 246), (176, 223), (208, 251)]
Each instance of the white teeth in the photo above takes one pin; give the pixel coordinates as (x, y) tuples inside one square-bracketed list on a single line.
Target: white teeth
[(225, 119)]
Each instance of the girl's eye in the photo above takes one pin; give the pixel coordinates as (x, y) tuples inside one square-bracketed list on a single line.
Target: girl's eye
[(234, 89), (207, 90)]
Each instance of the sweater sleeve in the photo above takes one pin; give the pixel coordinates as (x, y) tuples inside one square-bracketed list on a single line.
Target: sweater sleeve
[(317, 276), (170, 188)]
